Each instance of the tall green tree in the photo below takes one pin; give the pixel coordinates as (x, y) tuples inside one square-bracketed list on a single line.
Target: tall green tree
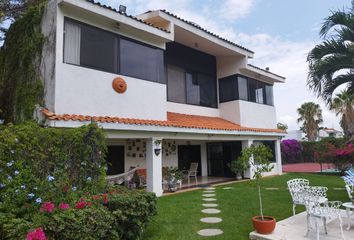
[(343, 105), (310, 114), (331, 63)]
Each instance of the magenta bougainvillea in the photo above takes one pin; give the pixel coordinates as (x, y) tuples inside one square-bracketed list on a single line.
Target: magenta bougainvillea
[(36, 234), (291, 150)]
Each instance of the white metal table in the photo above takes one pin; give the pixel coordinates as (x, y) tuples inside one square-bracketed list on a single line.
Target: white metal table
[(349, 208)]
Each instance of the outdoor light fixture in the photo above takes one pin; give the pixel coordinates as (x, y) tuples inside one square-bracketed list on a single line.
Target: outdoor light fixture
[(122, 9)]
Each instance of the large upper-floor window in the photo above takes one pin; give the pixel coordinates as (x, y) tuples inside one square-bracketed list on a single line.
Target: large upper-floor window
[(237, 87), (191, 76), (95, 48)]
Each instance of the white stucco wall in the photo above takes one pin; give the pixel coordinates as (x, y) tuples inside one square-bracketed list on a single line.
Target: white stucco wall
[(80, 90), (193, 110)]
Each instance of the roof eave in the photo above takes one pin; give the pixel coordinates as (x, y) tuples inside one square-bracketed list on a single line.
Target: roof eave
[(262, 72)]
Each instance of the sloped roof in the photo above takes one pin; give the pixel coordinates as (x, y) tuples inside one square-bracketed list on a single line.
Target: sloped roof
[(173, 120), (125, 14)]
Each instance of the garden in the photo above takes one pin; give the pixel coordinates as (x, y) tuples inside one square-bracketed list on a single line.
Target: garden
[(337, 151), (52, 186)]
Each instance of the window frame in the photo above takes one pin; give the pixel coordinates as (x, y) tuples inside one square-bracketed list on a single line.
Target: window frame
[(117, 46), (193, 73), (248, 79)]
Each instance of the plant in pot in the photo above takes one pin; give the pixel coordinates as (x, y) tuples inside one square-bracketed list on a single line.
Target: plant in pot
[(237, 167), (174, 176), (258, 159)]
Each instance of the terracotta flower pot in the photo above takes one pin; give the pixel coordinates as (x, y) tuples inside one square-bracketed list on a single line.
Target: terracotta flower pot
[(265, 226)]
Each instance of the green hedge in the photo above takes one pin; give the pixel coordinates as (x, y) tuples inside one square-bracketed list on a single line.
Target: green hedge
[(42, 165)]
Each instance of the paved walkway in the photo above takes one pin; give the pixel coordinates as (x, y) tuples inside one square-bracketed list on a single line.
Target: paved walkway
[(210, 209), (306, 167)]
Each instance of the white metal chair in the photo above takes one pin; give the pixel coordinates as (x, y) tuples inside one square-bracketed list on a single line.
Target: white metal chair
[(296, 188), (192, 172), (321, 211), (350, 191)]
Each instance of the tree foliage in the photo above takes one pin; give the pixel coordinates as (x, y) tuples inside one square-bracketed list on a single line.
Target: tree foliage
[(331, 63), (310, 114)]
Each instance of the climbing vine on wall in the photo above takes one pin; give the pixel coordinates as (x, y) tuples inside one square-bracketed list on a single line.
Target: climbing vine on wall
[(20, 85)]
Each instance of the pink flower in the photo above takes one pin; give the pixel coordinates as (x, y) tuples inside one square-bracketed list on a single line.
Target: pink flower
[(47, 207), (80, 205), (64, 206), (36, 234)]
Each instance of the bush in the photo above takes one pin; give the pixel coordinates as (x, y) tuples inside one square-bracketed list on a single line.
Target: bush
[(52, 185), (291, 151)]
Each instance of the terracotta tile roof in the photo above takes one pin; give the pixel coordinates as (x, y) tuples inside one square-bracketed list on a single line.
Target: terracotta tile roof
[(125, 14), (204, 30), (173, 120)]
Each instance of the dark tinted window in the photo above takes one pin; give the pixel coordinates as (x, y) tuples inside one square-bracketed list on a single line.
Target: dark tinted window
[(228, 89), (199, 79), (256, 91), (176, 89), (141, 61), (242, 88), (98, 49), (95, 48), (269, 95)]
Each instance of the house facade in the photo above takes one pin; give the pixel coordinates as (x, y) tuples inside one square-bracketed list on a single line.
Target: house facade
[(166, 91)]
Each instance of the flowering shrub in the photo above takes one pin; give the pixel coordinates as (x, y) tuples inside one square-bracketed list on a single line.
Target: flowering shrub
[(344, 158), (291, 150), (52, 186), (36, 234)]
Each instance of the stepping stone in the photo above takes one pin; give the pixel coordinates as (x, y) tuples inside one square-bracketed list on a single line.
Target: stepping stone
[(211, 220), (210, 232), (209, 199), (210, 205), (226, 188), (272, 188), (338, 189), (209, 191), (210, 188), (211, 211), (208, 195)]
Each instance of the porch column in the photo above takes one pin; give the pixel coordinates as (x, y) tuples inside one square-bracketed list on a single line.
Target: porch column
[(204, 160), (278, 156), (249, 172), (154, 165)]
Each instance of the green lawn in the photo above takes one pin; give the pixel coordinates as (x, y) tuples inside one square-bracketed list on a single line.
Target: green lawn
[(178, 215)]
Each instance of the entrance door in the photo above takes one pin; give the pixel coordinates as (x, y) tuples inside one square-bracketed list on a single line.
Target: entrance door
[(115, 160), (188, 154), (220, 155)]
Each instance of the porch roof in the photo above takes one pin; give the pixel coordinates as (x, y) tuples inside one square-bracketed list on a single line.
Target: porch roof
[(175, 120)]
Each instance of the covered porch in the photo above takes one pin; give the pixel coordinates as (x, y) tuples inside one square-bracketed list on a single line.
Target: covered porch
[(212, 153)]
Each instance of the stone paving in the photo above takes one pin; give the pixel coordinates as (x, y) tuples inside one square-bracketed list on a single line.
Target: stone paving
[(209, 195)]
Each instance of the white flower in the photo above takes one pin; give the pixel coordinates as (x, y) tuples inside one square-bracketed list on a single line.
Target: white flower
[(50, 178), (23, 186), (16, 172), (38, 200), (17, 191), (9, 164), (30, 195), (9, 178), (12, 151), (74, 189), (35, 188), (83, 163), (88, 178)]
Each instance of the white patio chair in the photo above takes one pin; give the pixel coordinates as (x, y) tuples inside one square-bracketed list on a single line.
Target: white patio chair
[(350, 191), (321, 212), (349, 180), (297, 189), (192, 172)]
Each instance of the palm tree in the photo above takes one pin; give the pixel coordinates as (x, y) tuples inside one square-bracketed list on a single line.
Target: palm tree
[(310, 114), (343, 104), (331, 63)]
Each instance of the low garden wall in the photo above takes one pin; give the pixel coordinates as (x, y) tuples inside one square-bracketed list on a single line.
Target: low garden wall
[(52, 186)]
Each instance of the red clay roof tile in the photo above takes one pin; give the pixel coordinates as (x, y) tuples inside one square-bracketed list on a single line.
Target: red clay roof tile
[(173, 120)]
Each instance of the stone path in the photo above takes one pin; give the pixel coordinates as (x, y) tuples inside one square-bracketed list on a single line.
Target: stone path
[(209, 195)]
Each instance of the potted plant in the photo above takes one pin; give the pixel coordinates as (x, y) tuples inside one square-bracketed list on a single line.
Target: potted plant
[(238, 167), (258, 159), (174, 176)]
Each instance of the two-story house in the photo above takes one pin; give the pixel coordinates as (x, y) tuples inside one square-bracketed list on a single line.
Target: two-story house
[(166, 91)]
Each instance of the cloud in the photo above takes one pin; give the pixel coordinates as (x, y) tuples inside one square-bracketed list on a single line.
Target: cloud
[(234, 9)]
